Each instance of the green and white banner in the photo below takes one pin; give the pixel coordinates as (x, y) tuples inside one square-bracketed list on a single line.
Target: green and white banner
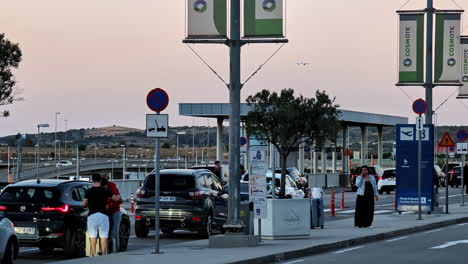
[(411, 66), (206, 19), (447, 48), (463, 91), (263, 18)]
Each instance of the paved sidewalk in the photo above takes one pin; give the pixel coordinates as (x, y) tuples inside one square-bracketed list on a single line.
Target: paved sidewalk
[(337, 234)]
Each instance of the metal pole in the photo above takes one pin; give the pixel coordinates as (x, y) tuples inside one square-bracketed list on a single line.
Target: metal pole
[(55, 141), (124, 163), (177, 139), (193, 139), (419, 174), (112, 173), (58, 168), (447, 182), (8, 162), (429, 45), (78, 163), (37, 152), (462, 180), (234, 115), (157, 190), (66, 128)]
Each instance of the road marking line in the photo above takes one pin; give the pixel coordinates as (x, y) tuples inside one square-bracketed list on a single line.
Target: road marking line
[(347, 211), (449, 244), (382, 205), (450, 196), (396, 239), (404, 213), (346, 250), (383, 211), (462, 224), (294, 261), (432, 231)]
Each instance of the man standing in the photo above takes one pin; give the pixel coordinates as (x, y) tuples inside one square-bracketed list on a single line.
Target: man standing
[(113, 211), (98, 222), (217, 169)]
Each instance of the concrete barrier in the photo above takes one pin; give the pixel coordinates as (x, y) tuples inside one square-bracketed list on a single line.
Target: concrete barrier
[(127, 187), (324, 180)]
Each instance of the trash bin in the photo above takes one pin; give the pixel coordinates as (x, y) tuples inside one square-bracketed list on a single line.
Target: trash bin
[(316, 213)]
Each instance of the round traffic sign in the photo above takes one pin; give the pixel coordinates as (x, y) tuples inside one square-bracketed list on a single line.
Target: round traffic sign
[(243, 141), (462, 135), (157, 100), (420, 106)]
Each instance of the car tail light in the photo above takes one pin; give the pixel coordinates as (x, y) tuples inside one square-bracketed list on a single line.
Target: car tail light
[(138, 217), (62, 209), (141, 193), (196, 195), (3, 208), (380, 178), (196, 219), (452, 172)]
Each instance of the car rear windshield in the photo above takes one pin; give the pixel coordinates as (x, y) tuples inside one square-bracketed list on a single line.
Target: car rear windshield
[(30, 195), (389, 174), (171, 182)]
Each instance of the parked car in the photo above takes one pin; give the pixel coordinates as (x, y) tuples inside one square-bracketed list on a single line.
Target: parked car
[(8, 242), (64, 163), (192, 200), (293, 172), (387, 182), (450, 166), (455, 176), (441, 175), (291, 187), (374, 170), (48, 214), (3, 185)]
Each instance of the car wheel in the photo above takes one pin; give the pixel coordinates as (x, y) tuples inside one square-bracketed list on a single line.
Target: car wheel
[(207, 228), (124, 235), (141, 230), (9, 255), (45, 249), (167, 231), (75, 243)]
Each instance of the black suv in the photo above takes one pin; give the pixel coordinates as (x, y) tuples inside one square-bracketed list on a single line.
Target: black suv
[(190, 199), (48, 214)]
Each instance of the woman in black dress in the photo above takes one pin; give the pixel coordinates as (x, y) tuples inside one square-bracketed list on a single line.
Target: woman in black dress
[(366, 193)]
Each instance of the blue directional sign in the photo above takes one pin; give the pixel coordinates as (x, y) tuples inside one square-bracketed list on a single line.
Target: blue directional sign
[(420, 106), (407, 168), (462, 135), (157, 100)]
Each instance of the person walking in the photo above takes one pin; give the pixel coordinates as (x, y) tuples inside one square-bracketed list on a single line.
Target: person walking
[(366, 193), (98, 222), (113, 211)]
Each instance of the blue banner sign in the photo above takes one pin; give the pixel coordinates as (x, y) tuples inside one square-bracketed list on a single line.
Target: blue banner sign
[(407, 168)]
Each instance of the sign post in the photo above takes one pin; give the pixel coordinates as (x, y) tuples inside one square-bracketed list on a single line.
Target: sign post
[(462, 148), (446, 142), (419, 107), (157, 100)]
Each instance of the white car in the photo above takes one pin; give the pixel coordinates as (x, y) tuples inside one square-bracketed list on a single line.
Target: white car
[(387, 182), (291, 187), (64, 163), (8, 242)]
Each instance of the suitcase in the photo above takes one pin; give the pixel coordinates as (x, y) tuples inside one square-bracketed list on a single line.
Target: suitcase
[(316, 211)]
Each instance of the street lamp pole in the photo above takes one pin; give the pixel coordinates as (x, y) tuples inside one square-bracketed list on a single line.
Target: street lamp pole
[(66, 129), (38, 160), (55, 140), (177, 139), (124, 161)]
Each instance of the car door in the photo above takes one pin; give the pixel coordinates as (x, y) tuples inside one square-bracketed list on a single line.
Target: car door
[(220, 201), (75, 200)]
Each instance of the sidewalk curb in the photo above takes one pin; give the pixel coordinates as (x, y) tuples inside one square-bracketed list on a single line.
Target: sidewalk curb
[(289, 255)]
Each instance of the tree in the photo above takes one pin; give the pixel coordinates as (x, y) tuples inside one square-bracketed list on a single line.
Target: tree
[(10, 57), (287, 121)]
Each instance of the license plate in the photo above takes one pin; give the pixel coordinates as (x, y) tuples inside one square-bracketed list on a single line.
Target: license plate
[(25, 230), (167, 199)]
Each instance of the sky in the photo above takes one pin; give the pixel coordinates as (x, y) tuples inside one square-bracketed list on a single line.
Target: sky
[(95, 61)]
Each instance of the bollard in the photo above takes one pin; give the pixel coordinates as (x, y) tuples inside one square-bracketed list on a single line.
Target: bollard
[(332, 203), (132, 204), (342, 199)]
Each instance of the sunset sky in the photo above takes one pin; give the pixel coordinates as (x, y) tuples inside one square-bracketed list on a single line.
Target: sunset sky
[(95, 60)]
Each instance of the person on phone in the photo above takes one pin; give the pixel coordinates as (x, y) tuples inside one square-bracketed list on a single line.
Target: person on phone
[(366, 193)]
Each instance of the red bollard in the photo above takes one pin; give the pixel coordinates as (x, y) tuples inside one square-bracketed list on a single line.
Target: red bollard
[(332, 203), (342, 199), (132, 204)]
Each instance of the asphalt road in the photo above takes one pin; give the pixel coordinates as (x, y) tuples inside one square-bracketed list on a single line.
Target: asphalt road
[(444, 245), (383, 206)]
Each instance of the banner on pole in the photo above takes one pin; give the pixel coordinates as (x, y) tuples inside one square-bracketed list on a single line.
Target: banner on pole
[(463, 90), (206, 19), (411, 65), (264, 18), (447, 48)]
